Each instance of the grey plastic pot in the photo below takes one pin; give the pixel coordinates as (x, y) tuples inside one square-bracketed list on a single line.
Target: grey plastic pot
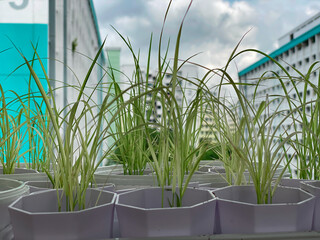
[(140, 213), (313, 187), (23, 174), (36, 186), (277, 174), (36, 217), (238, 212), (143, 181), (118, 169), (292, 182), (10, 190), (125, 181)]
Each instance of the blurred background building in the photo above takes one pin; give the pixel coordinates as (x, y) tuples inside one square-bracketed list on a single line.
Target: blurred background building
[(299, 49), (185, 90)]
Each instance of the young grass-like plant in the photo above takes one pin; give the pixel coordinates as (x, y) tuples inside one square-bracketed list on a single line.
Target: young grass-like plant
[(76, 150), (177, 155), (227, 127), (305, 119), (259, 146), (12, 136), (133, 116)]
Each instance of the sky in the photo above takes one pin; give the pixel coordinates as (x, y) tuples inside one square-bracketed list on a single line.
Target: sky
[(212, 28)]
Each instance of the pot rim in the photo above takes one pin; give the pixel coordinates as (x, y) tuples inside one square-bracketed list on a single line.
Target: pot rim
[(310, 198), (12, 206), (164, 208)]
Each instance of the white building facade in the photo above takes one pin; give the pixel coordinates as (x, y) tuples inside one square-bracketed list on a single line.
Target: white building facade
[(299, 49), (184, 92)]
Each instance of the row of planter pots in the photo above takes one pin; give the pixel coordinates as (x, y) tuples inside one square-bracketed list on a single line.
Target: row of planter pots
[(209, 172), (139, 213)]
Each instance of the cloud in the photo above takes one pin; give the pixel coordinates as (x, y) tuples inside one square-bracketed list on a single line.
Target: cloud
[(211, 27)]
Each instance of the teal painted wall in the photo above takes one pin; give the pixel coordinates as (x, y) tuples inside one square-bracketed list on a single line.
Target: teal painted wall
[(22, 36), (14, 76)]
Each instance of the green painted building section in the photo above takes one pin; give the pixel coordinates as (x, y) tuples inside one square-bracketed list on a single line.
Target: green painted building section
[(113, 59)]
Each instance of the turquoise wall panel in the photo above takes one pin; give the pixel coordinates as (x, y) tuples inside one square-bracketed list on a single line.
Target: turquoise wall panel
[(14, 74), (21, 36)]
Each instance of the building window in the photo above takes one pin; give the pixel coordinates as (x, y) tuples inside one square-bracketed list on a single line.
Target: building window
[(314, 74), (293, 50), (299, 47), (313, 39), (314, 56), (286, 53), (291, 36), (308, 108), (307, 60), (308, 92), (306, 43), (300, 63)]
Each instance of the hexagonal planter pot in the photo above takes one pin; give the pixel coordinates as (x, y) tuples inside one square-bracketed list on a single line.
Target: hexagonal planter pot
[(292, 182), (140, 213), (36, 186), (10, 190), (313, 187), (143, 181), (125, 181), (238, 212), (23, 174), (36, 216)]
